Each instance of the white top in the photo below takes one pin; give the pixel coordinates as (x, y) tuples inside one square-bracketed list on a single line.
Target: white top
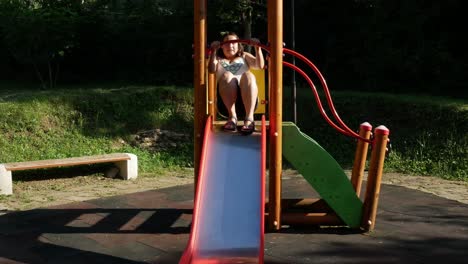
[(237, 67)]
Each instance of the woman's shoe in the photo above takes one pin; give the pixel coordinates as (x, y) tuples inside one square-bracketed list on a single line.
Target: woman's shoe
[(249, 128), (231, 125)]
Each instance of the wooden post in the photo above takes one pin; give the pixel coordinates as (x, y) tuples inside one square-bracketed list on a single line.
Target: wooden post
[(212, 95), (275, 38), (374, 178), (199, 91), (360, 157)]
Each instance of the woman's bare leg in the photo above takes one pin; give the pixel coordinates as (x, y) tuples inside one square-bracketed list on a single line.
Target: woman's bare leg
[(228, 92), (249, 93)]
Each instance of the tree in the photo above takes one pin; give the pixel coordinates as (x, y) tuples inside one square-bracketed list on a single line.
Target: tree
[(243, 13), (39, 37)]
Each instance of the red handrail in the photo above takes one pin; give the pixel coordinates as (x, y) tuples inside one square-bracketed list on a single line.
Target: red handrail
[(246, 41), (326, 90), (317, 98)]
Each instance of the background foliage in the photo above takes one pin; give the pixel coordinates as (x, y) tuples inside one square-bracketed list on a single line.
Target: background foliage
[(370, 45), (383, 49)]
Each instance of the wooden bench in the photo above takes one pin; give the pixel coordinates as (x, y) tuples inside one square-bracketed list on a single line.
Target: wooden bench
[(126, 162)]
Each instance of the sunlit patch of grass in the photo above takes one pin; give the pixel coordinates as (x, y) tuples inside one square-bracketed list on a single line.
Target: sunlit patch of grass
[(428, 134)]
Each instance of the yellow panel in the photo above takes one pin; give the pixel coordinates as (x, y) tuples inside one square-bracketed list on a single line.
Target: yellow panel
[(260, 76), (261, 84)]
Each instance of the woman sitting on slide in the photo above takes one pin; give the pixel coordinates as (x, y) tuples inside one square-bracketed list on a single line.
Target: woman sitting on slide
[(232, 67)]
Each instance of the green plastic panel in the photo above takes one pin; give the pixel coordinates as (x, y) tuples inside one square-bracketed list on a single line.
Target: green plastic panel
[(323, 173)]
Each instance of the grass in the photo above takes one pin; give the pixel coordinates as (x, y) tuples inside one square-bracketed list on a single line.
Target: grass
[(428, 134), (75, 122)]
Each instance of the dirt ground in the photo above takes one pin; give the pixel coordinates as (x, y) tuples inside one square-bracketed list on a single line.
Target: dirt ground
[(44, 193)]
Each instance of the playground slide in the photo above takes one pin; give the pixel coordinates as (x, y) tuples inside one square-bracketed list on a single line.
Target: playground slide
[(322, 171), (227, 225)]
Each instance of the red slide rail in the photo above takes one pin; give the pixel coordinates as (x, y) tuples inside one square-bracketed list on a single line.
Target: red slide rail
[(189, 250), (191, 254)]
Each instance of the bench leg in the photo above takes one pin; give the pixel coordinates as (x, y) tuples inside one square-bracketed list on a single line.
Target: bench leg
[(6, 182), (128, 169)]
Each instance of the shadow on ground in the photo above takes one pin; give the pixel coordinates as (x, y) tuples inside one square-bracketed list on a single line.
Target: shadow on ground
[(154, 226)]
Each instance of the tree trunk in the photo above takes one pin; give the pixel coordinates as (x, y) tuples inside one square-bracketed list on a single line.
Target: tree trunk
[(39, 75), (247, 24), (51, 79)]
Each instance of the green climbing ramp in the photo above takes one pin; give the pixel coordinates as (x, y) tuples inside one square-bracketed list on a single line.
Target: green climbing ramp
[(323, 173)]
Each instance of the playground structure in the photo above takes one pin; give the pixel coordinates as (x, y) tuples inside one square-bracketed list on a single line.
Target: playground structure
[(229, 208)]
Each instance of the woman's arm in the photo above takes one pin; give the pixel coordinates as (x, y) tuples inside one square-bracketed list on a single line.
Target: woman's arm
[(213, 62), (257, 61)]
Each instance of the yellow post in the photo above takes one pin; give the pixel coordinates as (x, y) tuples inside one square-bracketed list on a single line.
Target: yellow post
[(360, 157), (260, 78), (374, 177), (275, 38), (199, 91)]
